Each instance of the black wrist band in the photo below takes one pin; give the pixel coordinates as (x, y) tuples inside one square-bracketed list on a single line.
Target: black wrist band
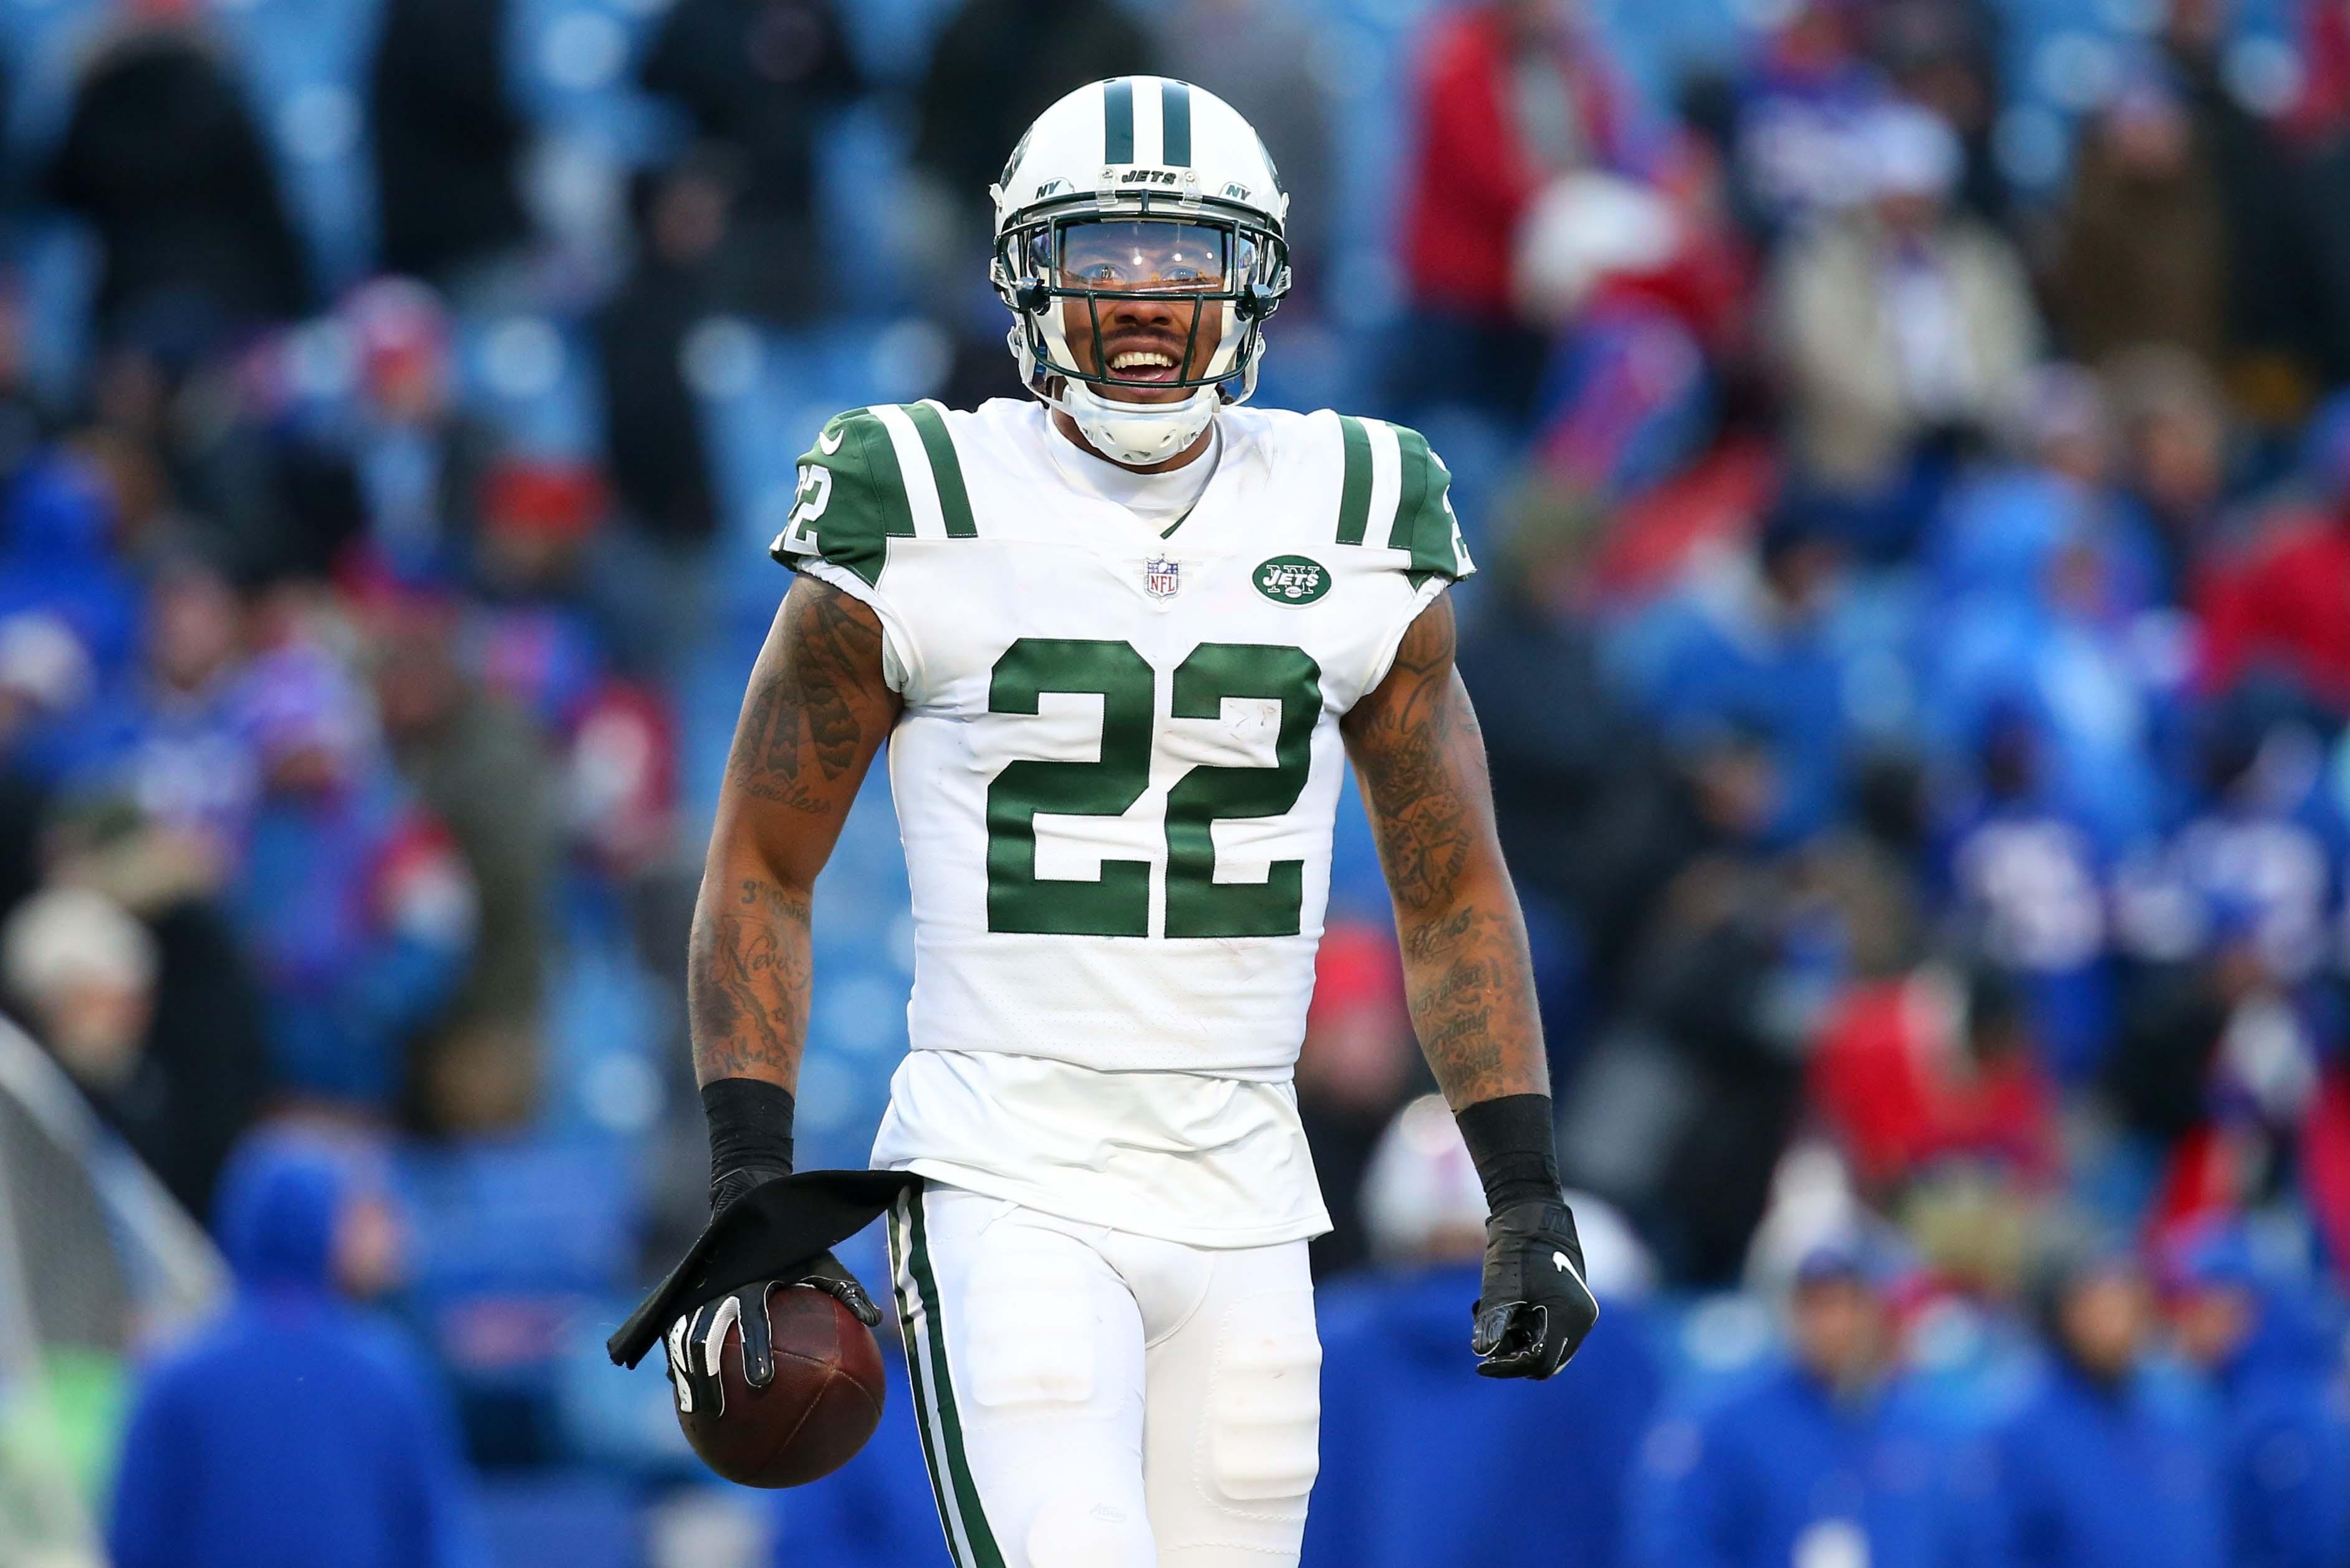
[(1515, 1148), (750, 1125)]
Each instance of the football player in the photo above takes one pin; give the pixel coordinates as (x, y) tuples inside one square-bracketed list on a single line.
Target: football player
[(1122, 640)]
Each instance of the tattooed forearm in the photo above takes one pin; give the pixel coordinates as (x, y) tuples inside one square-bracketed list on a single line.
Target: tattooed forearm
[(1422, 761), (810, 701), (1470, 989), (816, 711), (747, 983)]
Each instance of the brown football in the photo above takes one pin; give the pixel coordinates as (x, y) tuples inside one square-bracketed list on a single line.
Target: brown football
[(823, 1404)]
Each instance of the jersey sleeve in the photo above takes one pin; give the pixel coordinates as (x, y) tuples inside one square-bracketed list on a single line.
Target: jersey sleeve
[(1424, 525), (850, 503), (1395, 495)]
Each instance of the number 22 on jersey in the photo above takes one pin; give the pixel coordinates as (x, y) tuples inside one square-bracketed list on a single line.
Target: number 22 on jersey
[(1119, 903)]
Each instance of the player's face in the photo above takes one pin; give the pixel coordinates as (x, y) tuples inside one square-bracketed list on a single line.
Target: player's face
[(1146, 276)]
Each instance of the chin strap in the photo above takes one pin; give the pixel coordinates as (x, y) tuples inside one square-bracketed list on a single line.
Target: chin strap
[(1136, 434)]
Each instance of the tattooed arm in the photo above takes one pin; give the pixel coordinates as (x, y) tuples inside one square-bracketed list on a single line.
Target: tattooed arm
[(1415, 748), (816, 711), (1420, 758)]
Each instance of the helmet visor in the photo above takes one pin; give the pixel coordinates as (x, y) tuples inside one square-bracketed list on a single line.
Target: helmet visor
[(1136, 255)]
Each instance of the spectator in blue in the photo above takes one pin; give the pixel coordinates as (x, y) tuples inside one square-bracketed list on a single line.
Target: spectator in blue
[(2024, 884), (56, 556), (1387, 1496), (1801, 107), (2284, 1446), (166, 736), (2041, 582), (296, 1431), (2104, 1463), (1753, 645), (1829, 1457), (2231, 1009), (356, 905), (2262, 851)]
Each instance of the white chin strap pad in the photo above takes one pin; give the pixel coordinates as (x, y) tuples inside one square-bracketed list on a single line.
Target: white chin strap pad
[(1136, 434)]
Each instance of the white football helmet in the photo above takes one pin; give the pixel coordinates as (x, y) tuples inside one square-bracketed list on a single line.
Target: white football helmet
[(1174, 175)]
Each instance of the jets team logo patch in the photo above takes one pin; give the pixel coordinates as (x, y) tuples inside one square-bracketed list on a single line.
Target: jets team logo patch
[(1291, 580), (1161, 577)]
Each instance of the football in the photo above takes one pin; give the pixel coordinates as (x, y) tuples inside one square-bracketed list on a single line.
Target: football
[(821, 1408)]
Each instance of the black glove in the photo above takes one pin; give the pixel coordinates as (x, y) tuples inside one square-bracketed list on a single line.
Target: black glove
[(750, 1145), (1533, 1307), (697, 1339), (724, 1189)]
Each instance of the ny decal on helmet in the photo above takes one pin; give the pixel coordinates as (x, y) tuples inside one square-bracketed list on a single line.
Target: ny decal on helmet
[(1178, 173)]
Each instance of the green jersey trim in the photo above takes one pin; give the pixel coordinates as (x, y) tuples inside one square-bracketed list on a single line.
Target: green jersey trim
[(851, 499), (889, 472), (1355, 492), (1424, 523), (946, 469)]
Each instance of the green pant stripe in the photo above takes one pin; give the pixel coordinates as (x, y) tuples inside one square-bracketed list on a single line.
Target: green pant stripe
[(983, 1550), (1354, 494), (898, 1276), (955, 501)]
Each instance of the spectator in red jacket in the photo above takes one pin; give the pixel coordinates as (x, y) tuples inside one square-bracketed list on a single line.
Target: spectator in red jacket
[(1911, 1070), (1513, 95), (2282, 609)]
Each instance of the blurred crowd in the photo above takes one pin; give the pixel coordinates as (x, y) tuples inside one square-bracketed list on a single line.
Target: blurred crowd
[(1912, 471)]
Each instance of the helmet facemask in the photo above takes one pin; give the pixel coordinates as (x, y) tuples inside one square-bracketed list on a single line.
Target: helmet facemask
[(1226, 259)]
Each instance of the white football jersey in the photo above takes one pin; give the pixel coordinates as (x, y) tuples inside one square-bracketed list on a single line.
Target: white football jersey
[(1115, 775)]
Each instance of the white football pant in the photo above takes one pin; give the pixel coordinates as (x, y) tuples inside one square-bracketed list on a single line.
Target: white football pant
[(1091, 1398)]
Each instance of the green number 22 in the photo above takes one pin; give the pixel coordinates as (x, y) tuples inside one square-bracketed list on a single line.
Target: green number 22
[(1117, 904)]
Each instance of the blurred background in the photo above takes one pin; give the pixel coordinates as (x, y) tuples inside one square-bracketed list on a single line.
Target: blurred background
[(1906, 444)]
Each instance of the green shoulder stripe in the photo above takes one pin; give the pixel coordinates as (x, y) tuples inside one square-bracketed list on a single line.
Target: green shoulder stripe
[(851, 499), (1354, 491), (946, 467), (1423, 518)]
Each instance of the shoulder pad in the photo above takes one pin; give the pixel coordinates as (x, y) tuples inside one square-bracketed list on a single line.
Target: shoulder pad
[(1393, 492), (874, 474)]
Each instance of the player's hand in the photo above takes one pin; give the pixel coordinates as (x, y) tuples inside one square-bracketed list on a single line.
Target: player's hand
[(697, 1340), (724, 1189), (1532, 1306)]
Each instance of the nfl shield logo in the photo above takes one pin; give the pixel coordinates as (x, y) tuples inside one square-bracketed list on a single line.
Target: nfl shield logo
[(1161, 577)]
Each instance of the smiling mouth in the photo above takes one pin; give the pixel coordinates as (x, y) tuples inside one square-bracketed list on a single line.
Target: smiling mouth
[(1147, 365)]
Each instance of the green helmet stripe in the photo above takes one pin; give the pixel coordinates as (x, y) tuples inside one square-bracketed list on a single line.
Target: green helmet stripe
[(1175, 124), (1355, 493), (1118, 120)]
